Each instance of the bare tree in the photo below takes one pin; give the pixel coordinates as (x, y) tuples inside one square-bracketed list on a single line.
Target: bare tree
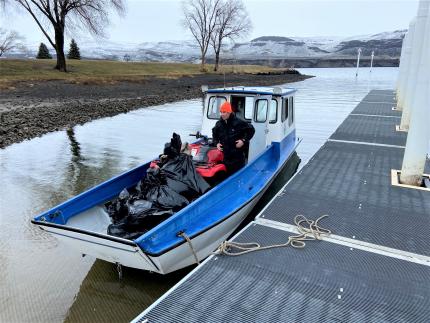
[(9, 40), (200, 19), (88, 14), (232, 22)]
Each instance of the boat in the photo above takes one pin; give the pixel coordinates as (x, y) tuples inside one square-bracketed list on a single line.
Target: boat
[(195, 231)]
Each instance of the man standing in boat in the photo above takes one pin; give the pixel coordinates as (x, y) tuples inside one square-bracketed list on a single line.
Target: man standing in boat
[(231, 135)]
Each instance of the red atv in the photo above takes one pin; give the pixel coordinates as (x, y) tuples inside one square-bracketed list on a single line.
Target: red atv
[(208, 160)]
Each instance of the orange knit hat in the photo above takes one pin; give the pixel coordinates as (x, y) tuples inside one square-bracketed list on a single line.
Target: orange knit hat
[(226, 107)]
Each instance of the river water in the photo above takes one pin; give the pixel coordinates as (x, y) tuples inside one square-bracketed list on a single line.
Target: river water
[(43, 281)]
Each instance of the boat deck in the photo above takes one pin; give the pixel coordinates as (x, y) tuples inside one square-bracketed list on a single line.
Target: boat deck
[(375, 267)]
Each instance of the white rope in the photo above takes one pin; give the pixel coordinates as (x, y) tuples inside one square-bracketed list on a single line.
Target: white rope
[(309, 231)]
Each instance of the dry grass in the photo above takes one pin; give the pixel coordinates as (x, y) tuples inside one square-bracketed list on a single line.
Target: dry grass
[(13, 71)]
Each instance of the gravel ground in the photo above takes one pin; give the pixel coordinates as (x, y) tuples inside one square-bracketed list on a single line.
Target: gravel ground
[(33, 109)]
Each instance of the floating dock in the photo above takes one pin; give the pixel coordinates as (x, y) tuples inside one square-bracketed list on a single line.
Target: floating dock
[(374, 267)]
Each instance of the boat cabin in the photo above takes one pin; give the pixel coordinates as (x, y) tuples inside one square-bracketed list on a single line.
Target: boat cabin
[(269, 109)]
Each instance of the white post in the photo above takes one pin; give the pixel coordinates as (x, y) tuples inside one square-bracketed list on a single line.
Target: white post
[(407, 60), (419, 129), (371, 61), (401, 66), (358, 61), (417, 50)]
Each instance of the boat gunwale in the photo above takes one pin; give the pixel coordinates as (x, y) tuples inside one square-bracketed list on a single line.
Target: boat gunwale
[(86, 232)]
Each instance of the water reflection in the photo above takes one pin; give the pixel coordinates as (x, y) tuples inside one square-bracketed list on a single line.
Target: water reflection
[(103, 297), (75, 148)]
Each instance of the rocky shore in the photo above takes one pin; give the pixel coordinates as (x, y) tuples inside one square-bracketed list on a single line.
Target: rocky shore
[(32, 109)]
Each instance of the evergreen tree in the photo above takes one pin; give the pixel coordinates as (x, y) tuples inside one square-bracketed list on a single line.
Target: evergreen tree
[(74, 52), (43, 52), (127, 58)]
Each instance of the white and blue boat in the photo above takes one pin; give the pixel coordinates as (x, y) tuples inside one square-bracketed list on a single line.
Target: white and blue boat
[(209, 220)]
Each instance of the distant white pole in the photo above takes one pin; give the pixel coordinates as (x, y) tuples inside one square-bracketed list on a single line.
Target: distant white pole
[(371, 61), (407, 61), (358, 61), (419, 129), (417, 51)]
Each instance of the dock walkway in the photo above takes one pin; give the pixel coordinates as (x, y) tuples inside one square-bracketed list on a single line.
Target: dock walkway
[(375, 267)]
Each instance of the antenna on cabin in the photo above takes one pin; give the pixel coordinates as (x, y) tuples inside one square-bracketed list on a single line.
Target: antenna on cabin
[(224, 79), (358, 61)]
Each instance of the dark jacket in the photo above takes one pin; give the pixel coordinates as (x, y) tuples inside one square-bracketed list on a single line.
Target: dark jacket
[(227, 132)]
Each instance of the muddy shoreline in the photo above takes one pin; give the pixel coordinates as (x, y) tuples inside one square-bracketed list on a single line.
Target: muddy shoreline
[(33, 109)]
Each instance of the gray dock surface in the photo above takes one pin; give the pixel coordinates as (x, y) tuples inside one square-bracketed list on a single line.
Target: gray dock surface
[(374, 268)]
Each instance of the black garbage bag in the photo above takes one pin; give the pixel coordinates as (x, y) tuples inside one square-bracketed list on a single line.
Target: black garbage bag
[(153, 179), (173, 148), (118, 208), (142, 217), (134, 214), (147, 220), (153, 188), (165, 198), (133, 227), (137, 208), (182, 177), (121, 230), (160, 194)]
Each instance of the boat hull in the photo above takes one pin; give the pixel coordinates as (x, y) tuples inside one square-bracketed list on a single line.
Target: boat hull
[(129, 254), (222, 211), (116, 251)]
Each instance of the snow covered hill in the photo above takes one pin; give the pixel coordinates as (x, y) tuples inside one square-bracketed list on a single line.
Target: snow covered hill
[(383, 44), (387, 44)]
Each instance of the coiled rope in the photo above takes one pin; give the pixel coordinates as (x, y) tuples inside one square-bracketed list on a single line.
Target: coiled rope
[(309, 231)]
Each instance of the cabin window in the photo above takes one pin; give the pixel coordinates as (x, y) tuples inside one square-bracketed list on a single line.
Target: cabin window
[(261, 108), (243, 106), (284, 115), (214, 104), (249, 105), (273, 114), (291, 111)]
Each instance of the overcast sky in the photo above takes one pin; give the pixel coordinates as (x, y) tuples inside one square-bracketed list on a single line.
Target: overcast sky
[(159, 20)]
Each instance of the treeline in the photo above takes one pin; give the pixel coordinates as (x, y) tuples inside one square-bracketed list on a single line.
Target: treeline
[(74, 52), (212, 23)]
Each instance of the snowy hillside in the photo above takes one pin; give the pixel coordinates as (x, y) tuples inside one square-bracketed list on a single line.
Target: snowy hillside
[(387, 44), (384, 44)]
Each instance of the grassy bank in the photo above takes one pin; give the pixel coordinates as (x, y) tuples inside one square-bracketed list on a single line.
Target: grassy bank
[(103, 71)]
